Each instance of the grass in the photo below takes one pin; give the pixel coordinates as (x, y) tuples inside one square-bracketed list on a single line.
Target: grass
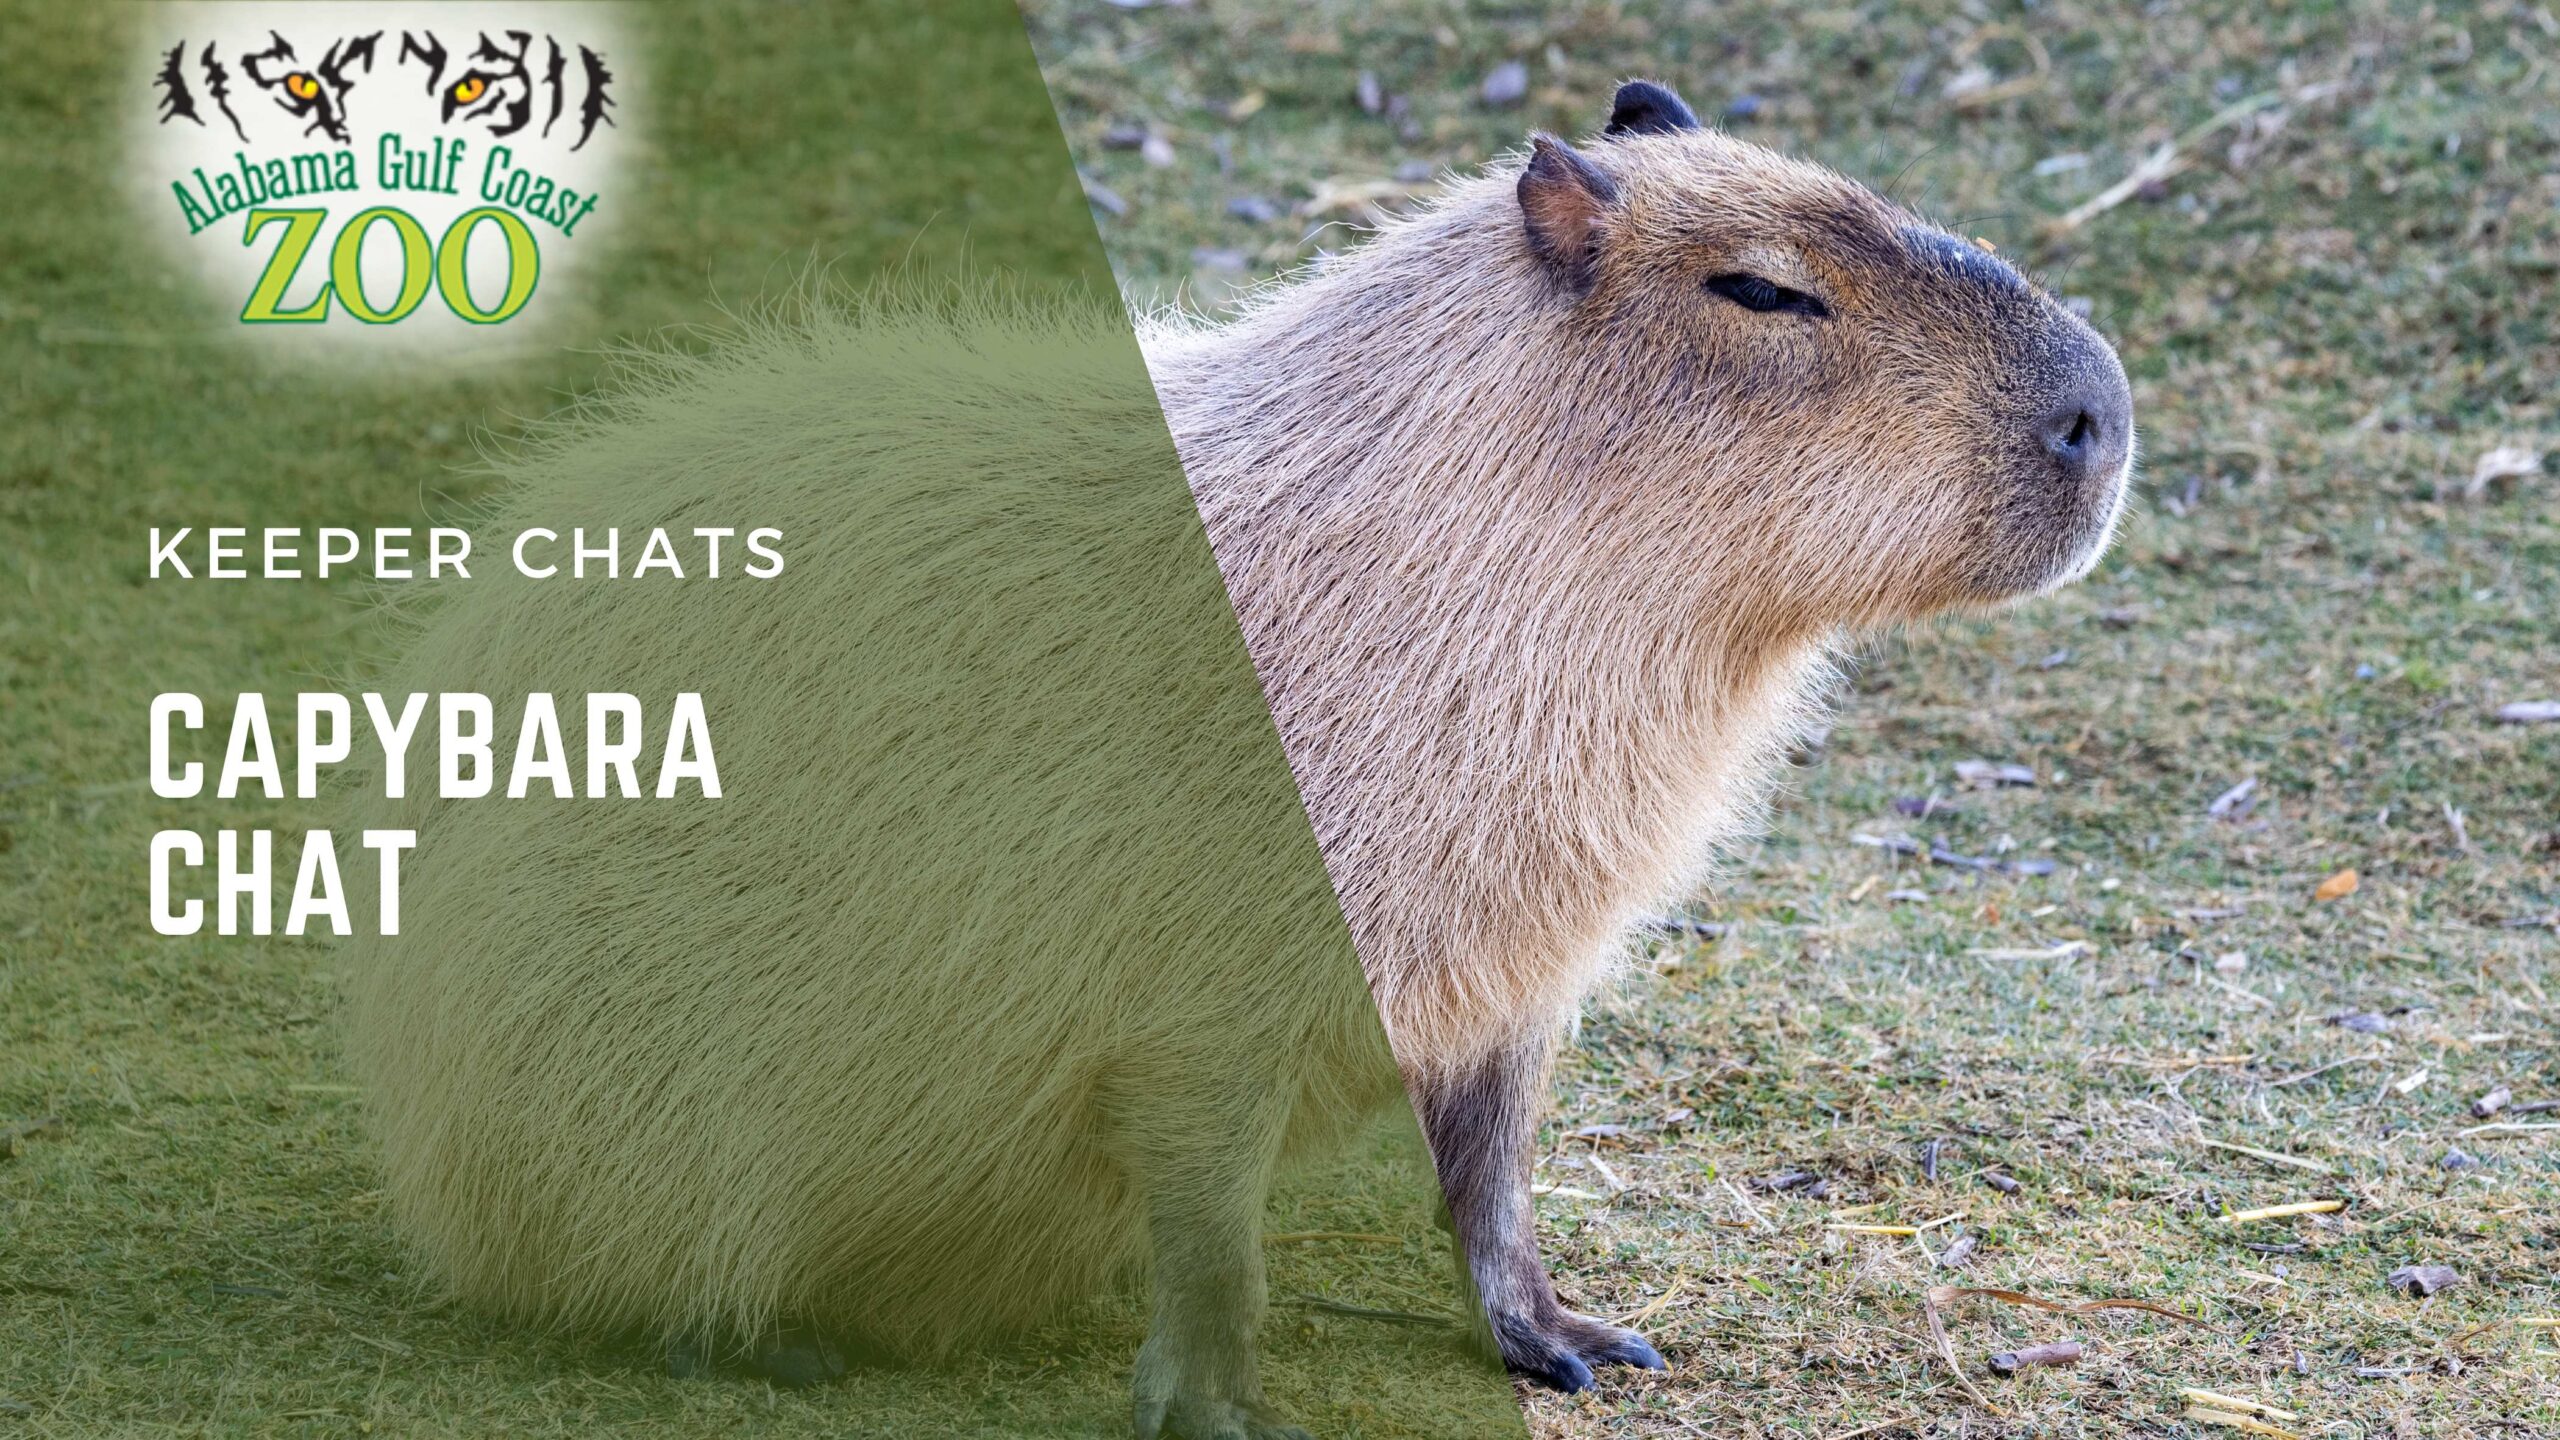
[(2330, 312), (191, 1235), (2326, 326)]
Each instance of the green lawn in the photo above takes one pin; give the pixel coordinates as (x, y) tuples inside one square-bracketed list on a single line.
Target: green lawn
[(2344, 296), (192, 1238)]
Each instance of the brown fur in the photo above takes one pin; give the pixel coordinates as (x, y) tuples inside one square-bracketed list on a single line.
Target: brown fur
[(1540, 585), (1541, 544), (1541, 550)]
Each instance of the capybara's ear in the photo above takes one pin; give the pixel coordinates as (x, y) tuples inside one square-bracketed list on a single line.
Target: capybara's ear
[(1565, 202), (1644, 108)]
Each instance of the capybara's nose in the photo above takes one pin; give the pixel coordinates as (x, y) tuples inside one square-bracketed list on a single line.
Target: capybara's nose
[(2087, 432)]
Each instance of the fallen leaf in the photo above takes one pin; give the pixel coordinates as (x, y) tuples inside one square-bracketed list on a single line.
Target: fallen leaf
[(2231, 800), (1506, 84), (2058, 1352), (1936, 1297), (2336, 887), (2059, 950), (1102, 197), (1971, 80), (2506, 462), (2422, 1280)]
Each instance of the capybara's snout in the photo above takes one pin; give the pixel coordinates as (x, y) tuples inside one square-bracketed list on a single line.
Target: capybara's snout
[(2087, 429), (2051, 400), (2073, 449)]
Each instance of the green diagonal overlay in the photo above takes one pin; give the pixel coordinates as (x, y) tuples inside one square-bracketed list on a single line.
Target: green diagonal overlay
[(989, 1048), (1004, 969)]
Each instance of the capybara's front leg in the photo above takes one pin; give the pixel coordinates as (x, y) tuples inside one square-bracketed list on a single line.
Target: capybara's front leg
[(1481, 1123), (1203, 1146)]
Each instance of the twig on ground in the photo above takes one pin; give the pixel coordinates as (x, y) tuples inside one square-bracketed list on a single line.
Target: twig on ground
[(2165, 161), (1747, 1207), (1635, 1321), (2272, 1157), (2207, 1415), (1363, 1312), (2235, 1404), (2325, 1069), (2284, 1212)]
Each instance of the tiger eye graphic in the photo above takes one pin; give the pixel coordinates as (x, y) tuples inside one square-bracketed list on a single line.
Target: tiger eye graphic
[(469, 90), (301, 85)]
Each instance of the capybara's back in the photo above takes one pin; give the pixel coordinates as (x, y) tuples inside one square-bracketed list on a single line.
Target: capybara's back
[(1006, 893)]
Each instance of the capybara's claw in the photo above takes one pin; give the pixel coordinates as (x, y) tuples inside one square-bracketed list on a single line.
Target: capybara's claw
[(1625, 1347), (1201, 1391), (1561, 1353)]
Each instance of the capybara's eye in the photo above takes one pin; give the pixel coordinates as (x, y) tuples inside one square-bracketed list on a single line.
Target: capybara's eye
[(1753, 293), (469, 90)]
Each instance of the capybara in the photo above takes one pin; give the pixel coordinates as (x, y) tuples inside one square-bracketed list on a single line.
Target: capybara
[(1542, 513)]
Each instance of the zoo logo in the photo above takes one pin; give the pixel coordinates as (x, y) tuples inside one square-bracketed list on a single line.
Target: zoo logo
[(512, 91)]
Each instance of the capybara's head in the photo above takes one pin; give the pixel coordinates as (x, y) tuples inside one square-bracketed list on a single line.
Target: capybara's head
[(1898, 420)]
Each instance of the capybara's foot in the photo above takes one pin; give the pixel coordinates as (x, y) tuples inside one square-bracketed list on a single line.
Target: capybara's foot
[(1198, 1391), (1201, 1417), (792, 1356), (1560, 1350)]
